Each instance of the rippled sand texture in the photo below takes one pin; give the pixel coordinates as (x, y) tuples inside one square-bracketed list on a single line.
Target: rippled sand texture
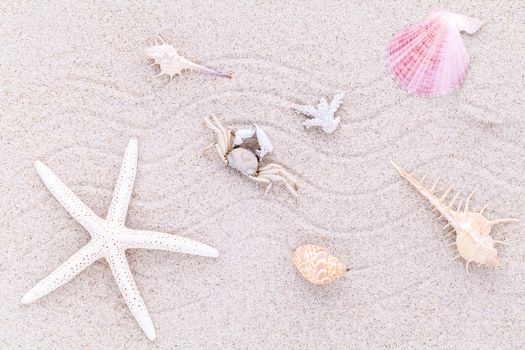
[(75, 85)]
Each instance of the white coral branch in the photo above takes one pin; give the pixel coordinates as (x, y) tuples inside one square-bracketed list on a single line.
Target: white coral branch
[(323, 115)]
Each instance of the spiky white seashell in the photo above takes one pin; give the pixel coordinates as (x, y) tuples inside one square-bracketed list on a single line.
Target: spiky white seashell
[(472, 229), (171, 63), (323, 115), (429, 58)]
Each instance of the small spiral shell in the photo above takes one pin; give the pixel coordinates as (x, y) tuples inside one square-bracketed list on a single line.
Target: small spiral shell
[(317, 265)]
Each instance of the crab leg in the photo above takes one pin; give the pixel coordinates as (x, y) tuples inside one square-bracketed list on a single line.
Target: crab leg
[(291, 188), (268, 188), (208, 122), (221, 153), (261, 179), (278, 170), (225, 136), (223, 143), (269, 178), (210, 146)]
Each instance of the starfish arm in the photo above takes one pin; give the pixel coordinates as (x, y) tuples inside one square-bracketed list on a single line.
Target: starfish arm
[(126, 284), (124, 187), (65, 272), (134, 239), (78, 210)]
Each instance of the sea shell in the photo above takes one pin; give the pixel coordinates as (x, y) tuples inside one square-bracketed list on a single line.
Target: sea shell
[(472, 229), (171, 63), (429, 58), (474, 242), (317, 265)]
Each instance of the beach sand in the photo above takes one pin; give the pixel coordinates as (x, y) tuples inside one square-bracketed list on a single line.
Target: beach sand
[(75, 85)]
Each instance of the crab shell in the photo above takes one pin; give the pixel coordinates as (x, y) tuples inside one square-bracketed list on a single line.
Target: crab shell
[(243, 160), (317, 265), (473, 240)]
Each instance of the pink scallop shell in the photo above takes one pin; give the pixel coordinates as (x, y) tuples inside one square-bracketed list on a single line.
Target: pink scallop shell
[(429, 58)]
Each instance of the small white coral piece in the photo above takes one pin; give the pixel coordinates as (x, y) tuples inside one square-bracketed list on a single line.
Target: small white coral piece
[(171, 63), (323, 115)]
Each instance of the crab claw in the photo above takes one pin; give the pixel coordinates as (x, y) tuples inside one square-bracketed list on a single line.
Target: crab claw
[(241, 135), (265, 145)]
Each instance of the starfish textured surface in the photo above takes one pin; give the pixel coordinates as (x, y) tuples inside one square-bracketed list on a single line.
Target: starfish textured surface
[(110, 238), (323, 115)]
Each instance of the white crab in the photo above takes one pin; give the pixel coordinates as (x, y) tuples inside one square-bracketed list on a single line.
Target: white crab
[(245, 160)]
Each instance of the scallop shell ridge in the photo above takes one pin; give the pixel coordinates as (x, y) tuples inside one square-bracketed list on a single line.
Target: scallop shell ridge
[(429, 58)]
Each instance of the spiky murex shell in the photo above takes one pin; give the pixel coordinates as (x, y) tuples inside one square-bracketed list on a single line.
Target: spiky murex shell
[(167, 58), (472, 229), (473, 239)]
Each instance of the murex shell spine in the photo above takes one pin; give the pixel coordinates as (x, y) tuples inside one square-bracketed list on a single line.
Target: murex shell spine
[(473, 240)]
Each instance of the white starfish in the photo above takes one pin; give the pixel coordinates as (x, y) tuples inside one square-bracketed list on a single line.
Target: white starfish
[(110, 238), (323, 114)]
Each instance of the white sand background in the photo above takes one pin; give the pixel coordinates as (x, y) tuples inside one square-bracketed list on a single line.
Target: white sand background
[(75, 85)]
